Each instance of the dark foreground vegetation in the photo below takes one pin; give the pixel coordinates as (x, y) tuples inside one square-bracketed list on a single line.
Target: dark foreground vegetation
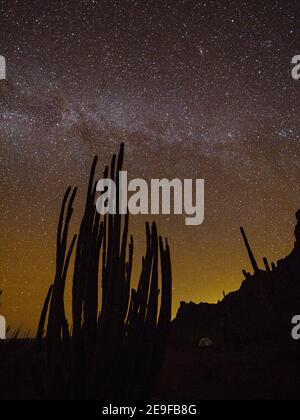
[(114, 345)]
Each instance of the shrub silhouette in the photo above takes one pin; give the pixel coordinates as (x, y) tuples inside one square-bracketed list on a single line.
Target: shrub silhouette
[(116, 349)]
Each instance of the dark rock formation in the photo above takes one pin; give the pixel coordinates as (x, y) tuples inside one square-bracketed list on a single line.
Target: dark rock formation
[(259, 313)]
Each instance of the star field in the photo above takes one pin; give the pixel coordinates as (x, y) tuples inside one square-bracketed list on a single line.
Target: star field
[(195, 89)]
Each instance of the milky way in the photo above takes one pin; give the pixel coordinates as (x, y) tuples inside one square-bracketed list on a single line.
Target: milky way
[(193, 88)]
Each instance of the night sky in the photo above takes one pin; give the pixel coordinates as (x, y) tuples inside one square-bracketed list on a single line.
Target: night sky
[(195, 89)]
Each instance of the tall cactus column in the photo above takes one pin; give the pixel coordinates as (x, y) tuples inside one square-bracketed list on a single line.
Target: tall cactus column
[(114, 350)]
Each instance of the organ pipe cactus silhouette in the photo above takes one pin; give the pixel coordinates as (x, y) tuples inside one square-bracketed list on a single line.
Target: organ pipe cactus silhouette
[(114, 349)]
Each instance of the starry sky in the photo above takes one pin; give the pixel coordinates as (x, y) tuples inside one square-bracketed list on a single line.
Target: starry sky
[(195, 89)]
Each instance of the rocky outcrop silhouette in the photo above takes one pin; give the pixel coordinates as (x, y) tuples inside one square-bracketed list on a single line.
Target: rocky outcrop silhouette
[(259, 313)]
